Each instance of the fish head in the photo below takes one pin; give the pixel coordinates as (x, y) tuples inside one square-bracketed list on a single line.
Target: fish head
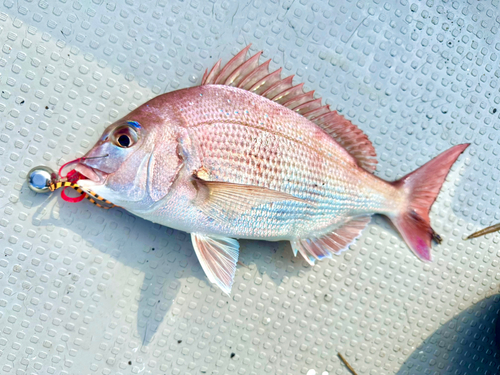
[(123, 164)]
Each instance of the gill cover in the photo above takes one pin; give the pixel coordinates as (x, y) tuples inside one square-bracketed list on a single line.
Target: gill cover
[(164, 165)]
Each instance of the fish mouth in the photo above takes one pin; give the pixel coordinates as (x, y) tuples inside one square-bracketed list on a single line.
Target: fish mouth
[(93, 174)]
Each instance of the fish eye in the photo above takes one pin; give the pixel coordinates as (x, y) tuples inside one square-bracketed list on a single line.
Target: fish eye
[(124, 136), (124, 140)]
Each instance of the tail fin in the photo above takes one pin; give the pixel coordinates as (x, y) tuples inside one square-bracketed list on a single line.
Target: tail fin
[(422, 187)]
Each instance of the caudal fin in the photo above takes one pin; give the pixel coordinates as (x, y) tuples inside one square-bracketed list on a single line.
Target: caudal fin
[(422, 187)]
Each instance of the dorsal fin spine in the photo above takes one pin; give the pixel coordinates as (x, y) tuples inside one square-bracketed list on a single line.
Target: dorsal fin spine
[(265, 82), (278, 87), (295, 102), (210, 77), (253, 77), (311, 115), (309, 106), (233, 80), (204, 79), (291, 92), (235, 62)]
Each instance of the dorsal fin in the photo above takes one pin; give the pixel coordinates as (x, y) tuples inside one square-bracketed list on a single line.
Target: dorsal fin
[(249, 75)]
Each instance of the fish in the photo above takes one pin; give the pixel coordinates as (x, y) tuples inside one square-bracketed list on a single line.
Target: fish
[(249, 155)]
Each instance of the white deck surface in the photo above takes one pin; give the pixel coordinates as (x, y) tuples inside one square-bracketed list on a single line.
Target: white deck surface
[(89, 291)]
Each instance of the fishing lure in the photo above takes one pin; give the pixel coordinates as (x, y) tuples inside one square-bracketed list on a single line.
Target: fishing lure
[(42, 179)]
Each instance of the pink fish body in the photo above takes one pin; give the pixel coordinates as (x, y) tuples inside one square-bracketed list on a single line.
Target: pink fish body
[(249, 155)]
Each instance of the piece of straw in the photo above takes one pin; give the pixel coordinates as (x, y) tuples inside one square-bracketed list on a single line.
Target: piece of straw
[(346, 363)]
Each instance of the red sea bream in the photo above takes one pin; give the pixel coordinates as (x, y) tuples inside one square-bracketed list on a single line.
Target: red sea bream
[(249, 155)]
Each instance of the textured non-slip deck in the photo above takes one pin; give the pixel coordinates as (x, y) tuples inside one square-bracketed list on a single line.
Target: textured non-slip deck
[(91, 291)]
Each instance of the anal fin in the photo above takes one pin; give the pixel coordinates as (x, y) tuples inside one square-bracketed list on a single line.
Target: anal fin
[(218, 257), (335, 242)]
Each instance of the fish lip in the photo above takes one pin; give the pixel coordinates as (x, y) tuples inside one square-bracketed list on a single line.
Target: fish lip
[(95, 175)]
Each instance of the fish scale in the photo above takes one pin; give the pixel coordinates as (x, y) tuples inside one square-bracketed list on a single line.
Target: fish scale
[(264, 160), (293, 146)]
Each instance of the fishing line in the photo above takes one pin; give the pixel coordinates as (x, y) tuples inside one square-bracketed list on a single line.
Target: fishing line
[(77, 161)]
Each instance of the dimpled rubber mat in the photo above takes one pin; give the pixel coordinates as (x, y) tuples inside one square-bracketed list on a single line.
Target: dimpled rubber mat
[(89, 291)]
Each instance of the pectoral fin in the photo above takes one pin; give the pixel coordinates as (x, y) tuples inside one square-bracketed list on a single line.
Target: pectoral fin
[(218, 257), (223, 199)]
